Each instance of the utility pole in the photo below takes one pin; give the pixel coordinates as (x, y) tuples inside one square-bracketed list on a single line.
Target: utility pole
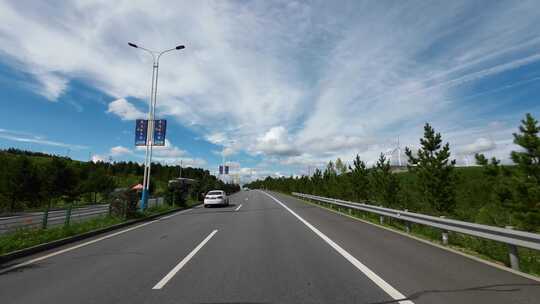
[(180, 168), (151, 117), (399, 152)]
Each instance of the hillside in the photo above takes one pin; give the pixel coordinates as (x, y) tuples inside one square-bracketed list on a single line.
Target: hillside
[(34, 180)]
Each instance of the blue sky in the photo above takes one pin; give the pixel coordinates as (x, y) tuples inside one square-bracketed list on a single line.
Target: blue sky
[(276, 87)]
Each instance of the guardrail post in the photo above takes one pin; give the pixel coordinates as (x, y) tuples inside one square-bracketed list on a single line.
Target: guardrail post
[(444, 235), (513, 255), (407, 223), (110, 210), (68, 214), (45, 218), (381, 219), (124, 207)]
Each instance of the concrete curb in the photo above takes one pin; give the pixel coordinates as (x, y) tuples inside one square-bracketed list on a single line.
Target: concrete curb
[(57, 243)]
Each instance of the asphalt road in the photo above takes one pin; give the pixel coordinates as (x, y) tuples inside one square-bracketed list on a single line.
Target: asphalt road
[(56, 217), (258, 250)]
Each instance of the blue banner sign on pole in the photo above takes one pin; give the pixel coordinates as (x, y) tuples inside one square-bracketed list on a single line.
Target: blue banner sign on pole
[(160, 128), (141, 132), (226, 169), (220, 169)]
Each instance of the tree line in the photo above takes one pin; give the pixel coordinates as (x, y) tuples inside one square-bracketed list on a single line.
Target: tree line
[(33, 180), (490, 193)]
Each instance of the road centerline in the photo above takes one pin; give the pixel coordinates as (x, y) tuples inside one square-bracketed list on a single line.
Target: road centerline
[(182, 263), (389, 289)]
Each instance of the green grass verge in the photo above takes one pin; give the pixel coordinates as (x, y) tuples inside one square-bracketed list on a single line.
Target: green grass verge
[(25, 238), (156, 209), (492, 251)]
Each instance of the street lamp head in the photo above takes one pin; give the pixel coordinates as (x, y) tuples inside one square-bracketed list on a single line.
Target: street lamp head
[(180, 47), (132, 45)]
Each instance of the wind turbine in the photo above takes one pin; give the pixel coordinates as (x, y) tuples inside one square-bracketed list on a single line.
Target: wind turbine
[(389, 153)]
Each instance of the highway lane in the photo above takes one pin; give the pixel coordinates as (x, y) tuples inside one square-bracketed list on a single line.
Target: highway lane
[(425, 273), (260, 253)]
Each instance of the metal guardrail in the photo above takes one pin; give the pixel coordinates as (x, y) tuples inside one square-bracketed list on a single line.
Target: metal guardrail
[(507, 235), (153, 202), (60, 217), (51, 218)]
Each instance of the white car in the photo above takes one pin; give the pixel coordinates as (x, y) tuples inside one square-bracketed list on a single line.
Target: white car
[(216, 197)]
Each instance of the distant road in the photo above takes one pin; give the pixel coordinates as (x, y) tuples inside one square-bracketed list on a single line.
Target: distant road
[(56, 217), (263, 248)]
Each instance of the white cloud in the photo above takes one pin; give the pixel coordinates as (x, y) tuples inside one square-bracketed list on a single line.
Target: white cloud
[(30, 138), (337, 143), (125, 110), (228, 151), (168, 154), (52, 86), (185, 161), (99, 158), (302, 83), (479, 145), (168, 151), (218, 138), (120, 150), (275, 141), (233, 165)]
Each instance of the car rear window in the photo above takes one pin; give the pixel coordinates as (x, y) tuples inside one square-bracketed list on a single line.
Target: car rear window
[(215, 192)]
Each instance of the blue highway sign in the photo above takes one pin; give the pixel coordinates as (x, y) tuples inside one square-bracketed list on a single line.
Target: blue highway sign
[(141, 132), (160, 128)]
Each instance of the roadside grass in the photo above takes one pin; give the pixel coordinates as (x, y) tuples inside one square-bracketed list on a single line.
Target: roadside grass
[(492, 251), (28, 237), (155, 210)]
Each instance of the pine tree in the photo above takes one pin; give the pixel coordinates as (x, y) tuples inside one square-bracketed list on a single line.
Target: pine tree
[(498, 178), (497, 184), (99, 182), (527, 201), (341, 168), (24, 183), (435, 171), (60, 180), (385, 183), (316, 181), (360, 180), (330, 180)]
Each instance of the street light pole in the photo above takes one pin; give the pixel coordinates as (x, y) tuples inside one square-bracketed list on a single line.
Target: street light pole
[(151, 118)]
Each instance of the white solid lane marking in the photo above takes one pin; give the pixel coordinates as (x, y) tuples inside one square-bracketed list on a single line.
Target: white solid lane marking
[(175, 214), (177, 268), (72, 248), (391, 291), (41, 258), (238, 208)]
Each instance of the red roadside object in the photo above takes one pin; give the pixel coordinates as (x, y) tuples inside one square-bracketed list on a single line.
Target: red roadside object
[(137, 187)]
